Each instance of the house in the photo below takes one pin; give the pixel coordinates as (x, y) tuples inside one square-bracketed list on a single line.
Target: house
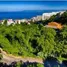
[(33, 19), (1, 21), (17, 21), (24, 20), (37, 18), (48, 15), (10, 21), (54, 25)]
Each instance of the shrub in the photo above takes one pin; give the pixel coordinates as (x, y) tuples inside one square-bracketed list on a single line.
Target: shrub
[(1, 56)]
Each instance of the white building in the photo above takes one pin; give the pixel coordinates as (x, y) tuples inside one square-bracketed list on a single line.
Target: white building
[(33, 19), (17, 21), (48, 15), (62, 12), (39, 18), (2, 21), (24, 20), (10, 21)]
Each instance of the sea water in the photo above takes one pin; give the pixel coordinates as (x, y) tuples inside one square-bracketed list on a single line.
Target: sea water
[(26, 14)]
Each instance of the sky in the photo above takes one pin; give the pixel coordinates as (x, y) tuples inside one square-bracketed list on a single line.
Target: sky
[(33, 0), (32, 5)]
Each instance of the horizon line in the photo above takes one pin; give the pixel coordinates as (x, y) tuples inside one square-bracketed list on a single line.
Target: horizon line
[(38, 10), (31, 1)]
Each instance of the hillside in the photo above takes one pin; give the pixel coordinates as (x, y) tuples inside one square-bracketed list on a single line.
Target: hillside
[(35, 40)]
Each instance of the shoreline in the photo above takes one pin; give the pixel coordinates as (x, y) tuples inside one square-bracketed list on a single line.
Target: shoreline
[(44, 16), (44, 12)]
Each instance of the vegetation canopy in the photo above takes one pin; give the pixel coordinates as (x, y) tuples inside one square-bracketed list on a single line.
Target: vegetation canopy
[(35, 40)]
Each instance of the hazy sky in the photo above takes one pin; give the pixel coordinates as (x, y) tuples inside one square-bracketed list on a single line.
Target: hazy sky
[(33, 0), (32, 5)]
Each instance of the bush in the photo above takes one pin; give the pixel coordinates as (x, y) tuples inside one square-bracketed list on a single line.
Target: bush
[(1, 56)]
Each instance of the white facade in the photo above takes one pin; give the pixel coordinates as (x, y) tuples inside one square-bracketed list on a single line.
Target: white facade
[(39, 18), (62, 12), (24, 20), (2, 22), (34, 19), (9, 21), (48, 15)]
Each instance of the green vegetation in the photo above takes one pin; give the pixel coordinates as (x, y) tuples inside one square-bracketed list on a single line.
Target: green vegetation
[(34, 40), (35, 65), (1, 56), (20, 64), (23, 39)]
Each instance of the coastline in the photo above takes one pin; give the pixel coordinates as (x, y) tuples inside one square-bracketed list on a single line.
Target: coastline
[(37, 18), (13, 30), (25, 14)]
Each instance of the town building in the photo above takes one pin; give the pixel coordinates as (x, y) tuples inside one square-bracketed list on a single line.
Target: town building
[(54, 25)]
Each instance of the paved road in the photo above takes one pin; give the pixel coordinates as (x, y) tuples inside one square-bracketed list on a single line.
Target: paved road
[(8, 58)]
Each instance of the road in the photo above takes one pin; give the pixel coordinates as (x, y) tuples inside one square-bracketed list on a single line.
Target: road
[(9, 58)]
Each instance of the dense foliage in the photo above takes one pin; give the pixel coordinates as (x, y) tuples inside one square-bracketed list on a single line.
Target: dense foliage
[(23, 39), (21, 64), (60, 18), (34, 40), (1, 56)]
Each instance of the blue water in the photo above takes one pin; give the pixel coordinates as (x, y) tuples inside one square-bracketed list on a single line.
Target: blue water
[(28, 9), (27, 14), (53, 63)]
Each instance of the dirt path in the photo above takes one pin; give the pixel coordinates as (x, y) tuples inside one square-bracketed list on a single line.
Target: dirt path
[(8, 58)]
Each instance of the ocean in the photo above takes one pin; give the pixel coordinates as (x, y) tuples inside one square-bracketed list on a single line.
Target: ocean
[(29, 9), (27, 14)]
